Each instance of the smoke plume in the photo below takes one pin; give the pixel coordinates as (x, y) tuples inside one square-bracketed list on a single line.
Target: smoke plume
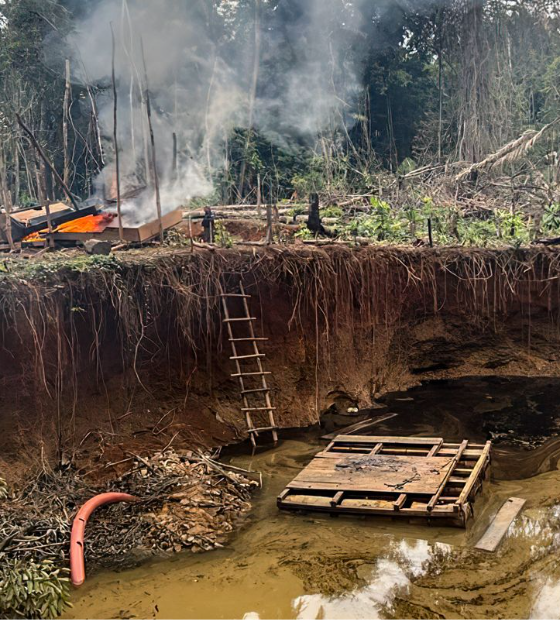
[(203, 82)]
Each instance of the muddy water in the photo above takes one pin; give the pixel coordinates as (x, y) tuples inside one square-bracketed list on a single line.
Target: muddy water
[(283, 565)]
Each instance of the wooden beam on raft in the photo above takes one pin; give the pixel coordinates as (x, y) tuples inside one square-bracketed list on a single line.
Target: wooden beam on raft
[(500, 524)]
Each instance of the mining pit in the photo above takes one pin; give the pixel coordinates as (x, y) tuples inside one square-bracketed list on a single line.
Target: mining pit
[(116, 375)]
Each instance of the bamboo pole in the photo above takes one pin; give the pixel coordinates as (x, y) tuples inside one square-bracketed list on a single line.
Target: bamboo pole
[(65, 118), (115, 137), (152, 142)]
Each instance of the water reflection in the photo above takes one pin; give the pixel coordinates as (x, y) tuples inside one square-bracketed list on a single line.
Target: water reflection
[(391, 574), (547, 603)]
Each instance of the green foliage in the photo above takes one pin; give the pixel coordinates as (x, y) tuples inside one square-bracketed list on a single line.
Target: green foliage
[(476, 232), (222, 236), (332, 212), (297, 210), (304, 233), (48, 270), (551, 218), (513, 228), (31, 589)]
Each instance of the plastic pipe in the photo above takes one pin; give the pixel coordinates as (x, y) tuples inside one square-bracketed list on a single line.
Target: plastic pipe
[(77, 567)]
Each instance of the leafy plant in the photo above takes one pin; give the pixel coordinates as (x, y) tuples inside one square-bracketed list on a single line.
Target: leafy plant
[(32, 589), (332, 212), (476, 232), (513, 228), (304, 233), (551, 218), (222, 236)]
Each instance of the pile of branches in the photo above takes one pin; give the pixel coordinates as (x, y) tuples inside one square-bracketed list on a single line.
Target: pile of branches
[(186, 501)]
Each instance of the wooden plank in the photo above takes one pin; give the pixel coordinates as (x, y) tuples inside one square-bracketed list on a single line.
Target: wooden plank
[(435, 449), (432, 503), (476, 473), (500, 524), (356, 439), (400, 502), (380, 473), (370, 507), (337, 498), (251, 374), (359, 426)]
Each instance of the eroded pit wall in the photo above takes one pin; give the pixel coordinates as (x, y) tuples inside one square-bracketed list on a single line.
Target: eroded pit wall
[(109, 355)]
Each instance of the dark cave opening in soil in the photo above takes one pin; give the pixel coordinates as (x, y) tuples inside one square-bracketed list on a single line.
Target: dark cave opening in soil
[(520, 415)]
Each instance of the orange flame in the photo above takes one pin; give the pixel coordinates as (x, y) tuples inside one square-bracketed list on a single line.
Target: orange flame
[(88, 224)]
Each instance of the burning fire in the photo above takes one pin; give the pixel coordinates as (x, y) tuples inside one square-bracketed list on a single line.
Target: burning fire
[(88, 224)]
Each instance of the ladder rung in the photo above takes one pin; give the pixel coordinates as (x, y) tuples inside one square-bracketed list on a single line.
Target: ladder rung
[(247, 357), (255, 391), (235, 295), (454, 480), (264, 428), (251, 374), (258, 409), (248, 339), (243, 318)]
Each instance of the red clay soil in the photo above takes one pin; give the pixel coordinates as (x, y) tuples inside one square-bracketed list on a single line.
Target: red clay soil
[(188, 399)]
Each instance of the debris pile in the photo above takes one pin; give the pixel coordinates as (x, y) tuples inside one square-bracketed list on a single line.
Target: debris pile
[(187, 501)]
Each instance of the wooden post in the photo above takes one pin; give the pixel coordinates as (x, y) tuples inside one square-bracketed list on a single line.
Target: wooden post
[(7, 199), (152, 141), (430, 234), (49, 224), (259, 197), (174, 156), (191, 233), (268, 224), (65, 118), (115, 137), (49, 165)]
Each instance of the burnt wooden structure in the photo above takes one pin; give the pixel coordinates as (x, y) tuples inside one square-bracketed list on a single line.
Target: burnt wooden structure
[(407, 477)]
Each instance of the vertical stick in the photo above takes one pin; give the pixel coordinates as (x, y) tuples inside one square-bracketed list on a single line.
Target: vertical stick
[(153, 143), (252, 95), (268, 224), (174, 156), (259, 197), (65, 118), (430, 235), (115, 137), (7, 199), (191, 233), (49, 224)]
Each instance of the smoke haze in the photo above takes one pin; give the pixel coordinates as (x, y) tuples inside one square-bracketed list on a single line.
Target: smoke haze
[(200, 77)]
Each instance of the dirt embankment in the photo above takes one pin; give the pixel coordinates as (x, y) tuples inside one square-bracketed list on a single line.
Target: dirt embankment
[(103, 357)]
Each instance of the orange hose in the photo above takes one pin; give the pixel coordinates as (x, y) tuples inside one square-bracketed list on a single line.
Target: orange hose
[(77, 568)]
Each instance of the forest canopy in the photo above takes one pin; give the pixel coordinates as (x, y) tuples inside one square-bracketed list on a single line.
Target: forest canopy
[(295, 95)]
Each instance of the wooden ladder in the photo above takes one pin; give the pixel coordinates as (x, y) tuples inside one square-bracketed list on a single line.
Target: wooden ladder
[(256, 400)]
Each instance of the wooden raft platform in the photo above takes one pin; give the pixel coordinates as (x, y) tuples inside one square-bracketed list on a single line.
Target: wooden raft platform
[(410, 477)]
